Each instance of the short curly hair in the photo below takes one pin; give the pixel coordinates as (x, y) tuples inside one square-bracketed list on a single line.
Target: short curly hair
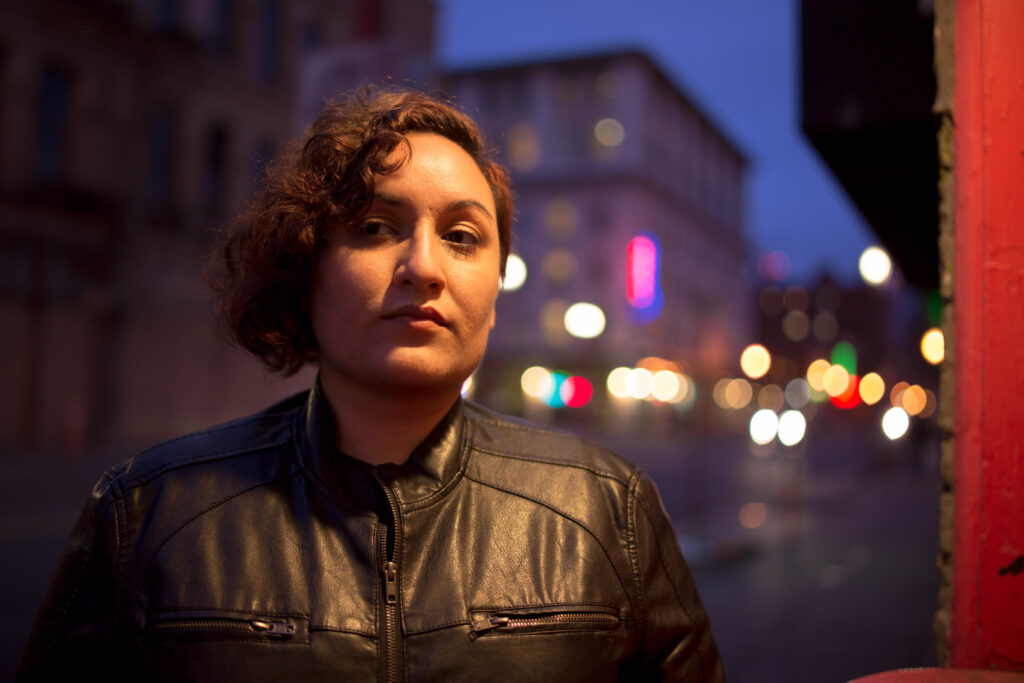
[(261, 271)]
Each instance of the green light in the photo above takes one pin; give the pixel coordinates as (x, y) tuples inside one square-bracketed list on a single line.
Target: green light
[(844, 354), (933, 307)]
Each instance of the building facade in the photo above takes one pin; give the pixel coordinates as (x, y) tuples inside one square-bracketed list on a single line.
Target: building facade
[(604, 150), (131, 131)]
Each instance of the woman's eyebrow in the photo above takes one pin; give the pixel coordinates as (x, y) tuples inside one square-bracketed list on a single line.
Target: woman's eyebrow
[(400, 203), (469, 204)]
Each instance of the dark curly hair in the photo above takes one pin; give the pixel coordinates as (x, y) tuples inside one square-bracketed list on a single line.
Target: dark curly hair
[(261, 271)]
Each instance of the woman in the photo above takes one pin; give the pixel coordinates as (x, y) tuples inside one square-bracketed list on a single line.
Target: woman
[(377, 526)]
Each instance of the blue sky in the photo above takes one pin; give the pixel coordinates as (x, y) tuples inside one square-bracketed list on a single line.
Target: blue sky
[(737, 59)]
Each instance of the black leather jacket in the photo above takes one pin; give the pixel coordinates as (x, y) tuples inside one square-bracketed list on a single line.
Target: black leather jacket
[(255, 551)]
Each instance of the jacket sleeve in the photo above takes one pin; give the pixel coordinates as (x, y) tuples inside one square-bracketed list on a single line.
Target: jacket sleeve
[(74, 630), (676, 636)]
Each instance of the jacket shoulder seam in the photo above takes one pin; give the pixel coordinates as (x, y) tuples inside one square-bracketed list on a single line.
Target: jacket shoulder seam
[(145, 477), (567, 516), (548, 461), (211, 506)]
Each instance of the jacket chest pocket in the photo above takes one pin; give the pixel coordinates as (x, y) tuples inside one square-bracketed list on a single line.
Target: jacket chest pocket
[(544, 619), (222, 625)]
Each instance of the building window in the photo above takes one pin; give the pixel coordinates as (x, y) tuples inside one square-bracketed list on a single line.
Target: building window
[(268, 53), (214, 184), (53, 107)]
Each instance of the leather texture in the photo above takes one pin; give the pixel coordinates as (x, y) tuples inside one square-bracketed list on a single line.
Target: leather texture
[(256, 551)]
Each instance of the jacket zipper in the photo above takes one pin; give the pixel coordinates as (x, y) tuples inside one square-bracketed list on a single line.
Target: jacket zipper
[(503, 622), (272, 628), (389, 568)]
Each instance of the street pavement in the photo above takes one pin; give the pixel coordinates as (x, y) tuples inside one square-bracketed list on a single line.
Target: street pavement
[(836, 581)]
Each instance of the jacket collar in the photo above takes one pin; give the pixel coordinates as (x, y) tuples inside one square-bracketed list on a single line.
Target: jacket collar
[(434, 466)]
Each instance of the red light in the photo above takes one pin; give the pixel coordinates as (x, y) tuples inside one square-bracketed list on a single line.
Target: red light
[(576, 392), (849, 398)]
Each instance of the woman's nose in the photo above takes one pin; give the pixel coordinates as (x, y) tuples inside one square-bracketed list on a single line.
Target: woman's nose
[(421, 264)]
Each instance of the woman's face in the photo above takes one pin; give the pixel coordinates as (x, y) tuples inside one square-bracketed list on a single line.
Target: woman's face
[(403, 299)]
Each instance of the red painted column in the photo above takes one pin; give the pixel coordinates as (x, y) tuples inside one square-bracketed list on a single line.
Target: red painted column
[(987, 619)]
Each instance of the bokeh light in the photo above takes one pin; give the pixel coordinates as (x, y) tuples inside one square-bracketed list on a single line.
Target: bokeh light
[(617, 382), (609, 132), (796, 325), (559, 265), (643, 275), (835, 380), (639, 383), (718, 393), (665, 385), (875, 266), (825, 327), (576, 392), (560, 218), (895, 423), (755, 361), (931, 404), (555, 400), (896, 393), (753, 515), (933, 346), (773, 265), (515, 274), (872, 388), (687, 395), (816, 374), (764, 425), (850, 397), (914, 400), (792, 427), (523, 145), (537, 382), (738, 393), (798, 393), (584, 320), (844, 354)]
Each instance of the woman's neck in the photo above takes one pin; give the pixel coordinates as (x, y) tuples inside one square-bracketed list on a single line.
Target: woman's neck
[(380, 429)]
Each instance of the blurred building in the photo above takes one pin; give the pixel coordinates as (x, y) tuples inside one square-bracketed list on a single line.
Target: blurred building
[(131, 130), (628, 197)]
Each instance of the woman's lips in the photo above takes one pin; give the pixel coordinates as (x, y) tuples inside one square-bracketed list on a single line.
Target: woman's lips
[(417, 316)]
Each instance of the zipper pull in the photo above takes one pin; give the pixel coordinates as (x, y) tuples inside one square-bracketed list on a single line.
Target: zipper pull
[(391, 582), (274, 628), (486, 623)]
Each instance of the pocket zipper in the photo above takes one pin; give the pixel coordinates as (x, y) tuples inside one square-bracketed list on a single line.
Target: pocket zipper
[(271, 628), (511, 621)]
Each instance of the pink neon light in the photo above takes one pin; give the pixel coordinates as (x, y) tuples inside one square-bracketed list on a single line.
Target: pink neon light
[(641, 271)]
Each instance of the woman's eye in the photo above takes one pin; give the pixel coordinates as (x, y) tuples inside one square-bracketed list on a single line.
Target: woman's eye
[(374, 228), (464, 237)]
